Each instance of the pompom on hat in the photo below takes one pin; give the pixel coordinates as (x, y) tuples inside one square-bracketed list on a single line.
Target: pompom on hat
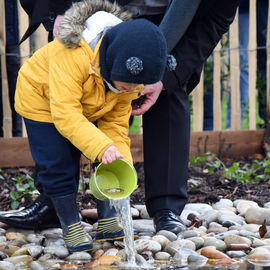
[(134, 52)]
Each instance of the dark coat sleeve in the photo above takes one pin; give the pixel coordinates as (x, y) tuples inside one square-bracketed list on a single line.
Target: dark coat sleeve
[(43, 11), (210, 22), (177, 19)]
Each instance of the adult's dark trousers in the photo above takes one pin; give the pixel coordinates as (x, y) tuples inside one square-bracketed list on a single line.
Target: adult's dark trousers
[(166, 137), (57, 160)]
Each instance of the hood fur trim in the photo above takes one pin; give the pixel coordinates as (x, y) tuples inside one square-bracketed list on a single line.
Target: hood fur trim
[(72, 25)]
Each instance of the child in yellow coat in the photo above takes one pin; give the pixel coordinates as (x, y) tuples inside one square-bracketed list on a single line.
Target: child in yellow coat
[(75, 96)]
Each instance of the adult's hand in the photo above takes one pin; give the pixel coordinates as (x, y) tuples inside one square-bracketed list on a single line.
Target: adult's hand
[(111, 154), (151, 93), (56, 25)]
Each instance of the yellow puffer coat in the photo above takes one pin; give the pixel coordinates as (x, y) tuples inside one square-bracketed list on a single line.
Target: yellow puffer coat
[(63, 86)]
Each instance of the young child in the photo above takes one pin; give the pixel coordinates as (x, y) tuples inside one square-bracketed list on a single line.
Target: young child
[(75, 96)]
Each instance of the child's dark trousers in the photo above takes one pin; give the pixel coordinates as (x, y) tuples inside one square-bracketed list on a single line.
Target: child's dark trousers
[(57, 160)]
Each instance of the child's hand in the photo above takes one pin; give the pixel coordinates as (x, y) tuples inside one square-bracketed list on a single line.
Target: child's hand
[(111, 154)]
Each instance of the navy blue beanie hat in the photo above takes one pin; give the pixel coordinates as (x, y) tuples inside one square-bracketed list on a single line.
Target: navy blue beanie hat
[(134, 52)]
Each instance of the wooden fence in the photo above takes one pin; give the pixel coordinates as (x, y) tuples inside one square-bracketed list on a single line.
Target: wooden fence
[(234, 142)]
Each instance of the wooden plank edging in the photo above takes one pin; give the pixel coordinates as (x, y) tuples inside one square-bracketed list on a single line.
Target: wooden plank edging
[(15, 152)]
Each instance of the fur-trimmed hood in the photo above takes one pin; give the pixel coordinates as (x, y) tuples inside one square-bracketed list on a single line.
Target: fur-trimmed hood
[(73, 23)]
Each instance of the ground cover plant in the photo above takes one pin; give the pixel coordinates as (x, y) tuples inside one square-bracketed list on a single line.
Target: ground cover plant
[(210, 179)]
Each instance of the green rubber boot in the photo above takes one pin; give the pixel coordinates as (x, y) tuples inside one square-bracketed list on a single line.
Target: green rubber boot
[(74, 235)]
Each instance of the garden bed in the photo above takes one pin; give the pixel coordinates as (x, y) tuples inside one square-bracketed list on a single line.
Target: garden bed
[(210, 179)]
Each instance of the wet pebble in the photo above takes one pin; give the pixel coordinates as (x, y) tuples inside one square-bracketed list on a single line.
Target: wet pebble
[(142, 244), (229, 230)]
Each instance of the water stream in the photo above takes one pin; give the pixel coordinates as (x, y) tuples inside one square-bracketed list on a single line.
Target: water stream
[(124, 213)]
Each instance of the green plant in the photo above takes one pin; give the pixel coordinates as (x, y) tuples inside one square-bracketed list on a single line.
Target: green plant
[(24, 186), (256, 171), (1, 175)]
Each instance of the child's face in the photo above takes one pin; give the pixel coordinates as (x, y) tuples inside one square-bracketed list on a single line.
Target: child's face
[(128, 87)]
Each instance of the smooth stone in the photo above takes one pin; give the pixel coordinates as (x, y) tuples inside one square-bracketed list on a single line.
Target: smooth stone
[(229, 209), (229, 219), (59, 251), (198, 207), (248, 234), (198, 241), (148, 237), (21, 251), (236, 202), (251, 227), (54, 242), (213, 253), (3, 232), (6, 265), (35, 238), (35, 250), (217, 230), (144, 225), (3, 255), (3, 225), (15, 236), (257, 242), (142, 244), (111, 251), (170, 235), (257, 215), (243, 206), (267, 235), (17, 242), (236, 239), (260, 250), (266, 241), (52, 264), (259, 255), (179, 244), (195, 262), (236, 253), (122, 254), (214, 224), (139, 206), (36, 266), (25, 259), (7, 248), (188, 234), (90, 213), (162, 256), (217, 243), (201, 230), (222, 203), (52, 233), (140, 260), (161, 239), (135, 213), (144, 214), (223, 235), (79, 256), (183, 254), (266, 205), (3, 239), (210, 216)]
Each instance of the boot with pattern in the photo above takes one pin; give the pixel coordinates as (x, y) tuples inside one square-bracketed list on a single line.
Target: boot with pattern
[(74, 235)]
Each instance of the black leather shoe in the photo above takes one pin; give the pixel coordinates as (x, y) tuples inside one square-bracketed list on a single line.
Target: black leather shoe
[(40, 215), (169, 221)]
